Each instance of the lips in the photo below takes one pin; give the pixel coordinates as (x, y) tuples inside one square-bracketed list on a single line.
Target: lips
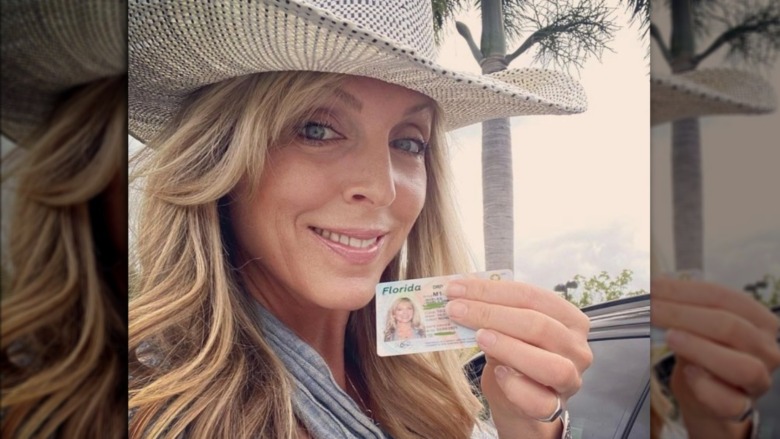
[(355, 246), (347, 240)]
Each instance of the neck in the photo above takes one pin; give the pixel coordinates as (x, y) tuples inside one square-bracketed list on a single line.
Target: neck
[(322, 329)]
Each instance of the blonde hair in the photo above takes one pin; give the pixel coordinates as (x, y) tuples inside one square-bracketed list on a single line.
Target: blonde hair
[(660, 408), (216, 375), (63, 325), (390, 326)]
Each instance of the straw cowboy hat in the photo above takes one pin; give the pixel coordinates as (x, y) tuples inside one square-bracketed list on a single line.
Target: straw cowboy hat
[(709, 92), (176, 47), (50, 47)]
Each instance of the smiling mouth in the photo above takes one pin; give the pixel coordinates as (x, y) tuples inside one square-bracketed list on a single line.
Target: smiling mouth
[(349, 241)]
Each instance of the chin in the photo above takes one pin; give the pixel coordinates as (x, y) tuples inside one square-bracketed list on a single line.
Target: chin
[(349, 296)]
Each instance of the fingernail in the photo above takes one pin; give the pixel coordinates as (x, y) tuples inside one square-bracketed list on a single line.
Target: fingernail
[(456, 309), (692, 372), (455, 290), (501, 372), (486, 338)]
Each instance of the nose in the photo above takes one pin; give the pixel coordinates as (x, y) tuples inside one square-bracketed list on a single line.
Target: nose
[(371, 176)]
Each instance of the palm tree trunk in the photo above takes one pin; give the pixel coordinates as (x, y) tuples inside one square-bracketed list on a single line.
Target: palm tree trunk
[(497, 195), (686, 154), (497, 199), (687, 196)]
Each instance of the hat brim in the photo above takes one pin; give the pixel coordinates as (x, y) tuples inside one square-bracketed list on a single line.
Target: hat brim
[(178, 47), (50, 47), (709, 92)]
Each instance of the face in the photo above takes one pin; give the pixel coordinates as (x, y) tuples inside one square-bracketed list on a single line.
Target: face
[(404, 312), (332, 208)]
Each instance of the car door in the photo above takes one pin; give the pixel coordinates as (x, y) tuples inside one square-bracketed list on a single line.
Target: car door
[(769, 405), (611, 402)]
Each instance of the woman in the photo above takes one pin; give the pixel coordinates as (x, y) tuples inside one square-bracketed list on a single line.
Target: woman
[(64, 95), (403, 321), (276, 197)]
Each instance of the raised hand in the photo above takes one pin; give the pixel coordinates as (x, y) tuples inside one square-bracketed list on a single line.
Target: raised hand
[(536, 345), (726, 348)]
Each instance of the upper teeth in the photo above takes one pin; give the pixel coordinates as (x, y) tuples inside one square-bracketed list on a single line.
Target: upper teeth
[(346, 240)]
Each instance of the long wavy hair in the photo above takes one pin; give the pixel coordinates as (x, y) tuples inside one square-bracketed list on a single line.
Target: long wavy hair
[(199, 364), (63, 307), (390, 323)]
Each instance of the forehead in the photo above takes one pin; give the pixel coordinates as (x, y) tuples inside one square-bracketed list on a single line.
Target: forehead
[(356, 91)]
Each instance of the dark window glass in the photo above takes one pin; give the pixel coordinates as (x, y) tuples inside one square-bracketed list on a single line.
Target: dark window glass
[(611, 389), (641, 427), (769, 405), (769, 410)]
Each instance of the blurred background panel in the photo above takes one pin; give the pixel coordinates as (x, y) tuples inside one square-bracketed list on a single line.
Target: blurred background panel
[(715, 154), (63, 357)]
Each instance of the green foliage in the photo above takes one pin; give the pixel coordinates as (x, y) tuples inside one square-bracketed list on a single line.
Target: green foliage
[(586, 298), (748, 29), (774, 288), (766, 291), (640, 11), (563, 33), (600, 288), (443, 12)]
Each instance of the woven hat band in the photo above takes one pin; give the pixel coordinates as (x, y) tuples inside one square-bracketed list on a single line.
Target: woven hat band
[(709, 92), (408, 23), (179, 46)]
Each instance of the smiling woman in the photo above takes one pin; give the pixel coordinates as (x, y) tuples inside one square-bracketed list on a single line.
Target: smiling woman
[(278, 193), (276, 208), (328, 169), (353, 170)]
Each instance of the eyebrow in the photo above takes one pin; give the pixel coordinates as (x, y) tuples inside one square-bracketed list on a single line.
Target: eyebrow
[(419, 107), (348, 99), (352, 101)]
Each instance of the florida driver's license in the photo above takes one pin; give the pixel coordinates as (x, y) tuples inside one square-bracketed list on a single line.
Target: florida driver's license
[(410, 316)]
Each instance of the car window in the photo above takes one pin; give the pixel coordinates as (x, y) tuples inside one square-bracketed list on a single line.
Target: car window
[(641, 427), (611, 389), (768, 406)]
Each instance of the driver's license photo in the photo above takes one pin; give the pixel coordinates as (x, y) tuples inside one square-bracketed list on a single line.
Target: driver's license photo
[(410, 315)]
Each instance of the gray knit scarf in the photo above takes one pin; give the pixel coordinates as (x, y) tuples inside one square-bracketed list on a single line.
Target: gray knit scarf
[(325, 410)]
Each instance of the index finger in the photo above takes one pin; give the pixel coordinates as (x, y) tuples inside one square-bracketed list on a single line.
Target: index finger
[(519, 295), (714, 296)]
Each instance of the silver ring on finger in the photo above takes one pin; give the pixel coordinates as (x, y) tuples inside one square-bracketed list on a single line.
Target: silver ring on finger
[(746, 413), (557, 412)]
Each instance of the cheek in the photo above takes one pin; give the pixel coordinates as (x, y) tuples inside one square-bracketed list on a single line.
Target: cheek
[(247, 220), (267, 219), (287, 188), (411, 189), (256, 215)]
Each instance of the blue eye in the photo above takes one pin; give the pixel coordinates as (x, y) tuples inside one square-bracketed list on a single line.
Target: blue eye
[(317, 131), (412, 146)]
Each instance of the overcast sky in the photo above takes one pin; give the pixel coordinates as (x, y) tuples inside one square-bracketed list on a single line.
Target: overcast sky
[(581, 189)]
